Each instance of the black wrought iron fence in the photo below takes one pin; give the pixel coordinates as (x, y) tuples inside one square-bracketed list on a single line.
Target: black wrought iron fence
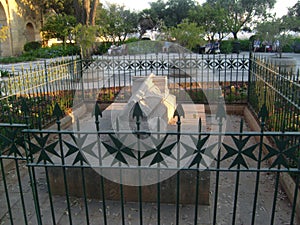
[(200, 78), (41, 88), (279, 90), (94, 176), (191, 77), (100, 175)]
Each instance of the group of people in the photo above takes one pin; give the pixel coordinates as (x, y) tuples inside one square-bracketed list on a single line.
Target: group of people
[(212, 48), (265, 46), (118, 50)]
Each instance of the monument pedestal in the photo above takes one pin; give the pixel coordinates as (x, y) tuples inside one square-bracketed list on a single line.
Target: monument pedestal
[(140, 160), (168, 187)]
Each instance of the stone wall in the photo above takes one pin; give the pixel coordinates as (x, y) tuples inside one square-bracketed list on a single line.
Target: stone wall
[(23, 26)]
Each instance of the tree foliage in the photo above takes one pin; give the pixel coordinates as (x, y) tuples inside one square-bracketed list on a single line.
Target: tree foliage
[(242, 14), (58, 26), (172, 12), (83, 10), (187, 34), (116, 22), (292, 20), (272, 31), (211, 16), (85, 38)]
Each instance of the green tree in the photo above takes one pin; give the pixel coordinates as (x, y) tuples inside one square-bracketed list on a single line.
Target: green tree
[(211, 16), (43, 7), (292, 20), (187, 34), (243, 14), (58, 26), (116, 22), (273, 31), (83, 10), (85, 39), (172, 12)]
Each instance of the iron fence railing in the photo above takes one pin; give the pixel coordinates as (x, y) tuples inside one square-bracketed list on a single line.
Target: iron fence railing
[(90, 176), (277, 88), (191, 77), (40, 87), (149, 176)]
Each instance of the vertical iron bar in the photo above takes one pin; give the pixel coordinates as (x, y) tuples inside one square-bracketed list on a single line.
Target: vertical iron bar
[(47, 179), (83, 182), (237, 180), (20, 188), (121, 180), (139, 165), (31, 171), (294, 205), (137, 112), (178, 166), (6, 192), (197, 178), (218, 172), (97, 113), (50, 196), (158, 178), (275, 195), (58, 122), (261, 141)]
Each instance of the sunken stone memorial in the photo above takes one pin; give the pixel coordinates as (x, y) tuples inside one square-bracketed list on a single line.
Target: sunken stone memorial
[(133, 168)]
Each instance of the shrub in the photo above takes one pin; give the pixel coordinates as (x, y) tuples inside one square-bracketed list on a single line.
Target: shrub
[(102, 48), (24, 58), (287, 48), (30, 46), (245, 45), (226, 47), (56, 51), (132, 39)]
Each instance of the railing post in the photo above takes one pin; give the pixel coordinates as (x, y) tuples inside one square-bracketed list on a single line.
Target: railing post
[(31, 171), (138, 113), (251, 60), (178, 112)]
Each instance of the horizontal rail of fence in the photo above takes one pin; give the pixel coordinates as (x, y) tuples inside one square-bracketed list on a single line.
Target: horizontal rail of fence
[(191, 77), (59, 162), (201, 78)]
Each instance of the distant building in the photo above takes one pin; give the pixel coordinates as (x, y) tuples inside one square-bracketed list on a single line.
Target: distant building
[(23, 26)]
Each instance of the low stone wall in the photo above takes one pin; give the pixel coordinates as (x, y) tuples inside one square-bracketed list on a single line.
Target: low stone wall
[(286, 181), (168, 187)]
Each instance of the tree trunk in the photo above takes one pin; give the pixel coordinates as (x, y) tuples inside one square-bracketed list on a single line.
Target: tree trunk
[(86, 11), (78, 11), (93, 11), (235, 35)]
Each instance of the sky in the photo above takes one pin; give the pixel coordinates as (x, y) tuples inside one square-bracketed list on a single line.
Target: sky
[(281, 7)]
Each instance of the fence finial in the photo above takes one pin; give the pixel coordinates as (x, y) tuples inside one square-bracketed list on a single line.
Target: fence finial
[(263, 113), (57, 111), (137, 111), (97, 111), (179, 111)]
